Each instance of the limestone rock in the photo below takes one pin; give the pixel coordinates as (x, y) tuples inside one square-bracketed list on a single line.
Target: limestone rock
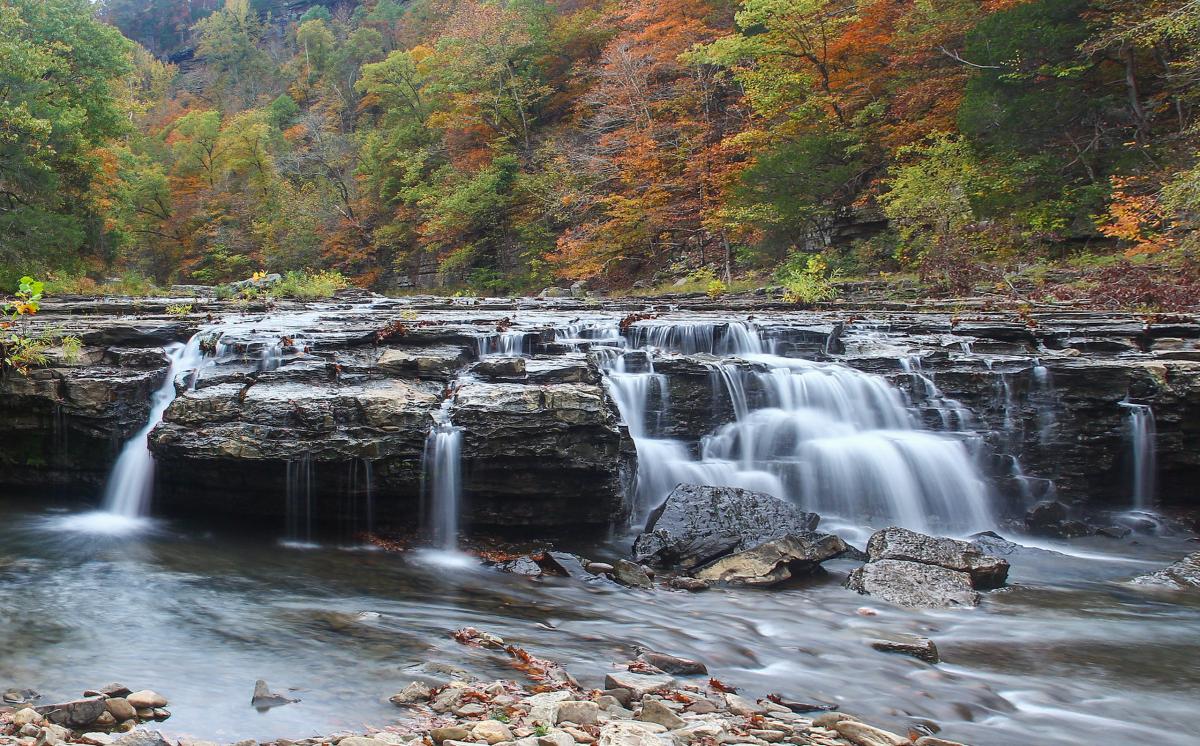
[(698, 524), (673, 664), (921, 648), (142, 738), (637, 684), (492, 731), (146, 699), (120, 708), (630, 733), (775, 561), (867, 735), (439, 362), (902, 544), (74, 714), (1183, 575), (654, 711), (414, 693), (913, 584), (543, 707), (577, 712)]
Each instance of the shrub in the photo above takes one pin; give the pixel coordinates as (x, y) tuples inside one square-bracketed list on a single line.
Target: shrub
[(309, 285), (806, 280), (715, 289), (180, 309)]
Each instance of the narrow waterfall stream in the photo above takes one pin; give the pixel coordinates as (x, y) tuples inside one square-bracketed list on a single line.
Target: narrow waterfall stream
[(1143, 453), (442, 478)]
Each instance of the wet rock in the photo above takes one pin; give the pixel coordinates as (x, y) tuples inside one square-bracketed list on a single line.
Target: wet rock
[(774, 561), (699, 524), (631, 574), (935, 741), (74, 714), (449, 733), (120, 708), (506, 368), (146, 699), (1046, 518), (414, 693), (1184, 575), (637, 684), (264, 699), (1114, 532), (439, 362), (24, 696), (654, 711), (97, 739), (577, 712), (913, 584), (673, 664), (599, 568), (921, 648), (862, 734), (521, 566), (902, 544), (685, 583)]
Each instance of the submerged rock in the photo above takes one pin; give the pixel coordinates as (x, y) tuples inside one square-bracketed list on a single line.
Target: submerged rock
[(921, 648), (1184, 575), (264, 698), (913, 584), (699, 524)]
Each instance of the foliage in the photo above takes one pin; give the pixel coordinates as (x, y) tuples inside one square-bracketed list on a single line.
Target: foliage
[(19, 348), (179, 309), (308, 285), (807, 280)]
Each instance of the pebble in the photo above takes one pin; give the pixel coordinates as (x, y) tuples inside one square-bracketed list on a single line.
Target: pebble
[(580, 736), (556, 738), (579, 713), (638, 684), (471, 709), (447, 733), (739, 705), (599, 568)]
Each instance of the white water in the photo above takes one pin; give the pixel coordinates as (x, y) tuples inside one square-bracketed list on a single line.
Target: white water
[(834, 440), (1144, 453), (442, 473)]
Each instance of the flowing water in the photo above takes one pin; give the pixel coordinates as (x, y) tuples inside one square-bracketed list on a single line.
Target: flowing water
[(1068, 655), (442, 470), (1143, 453)]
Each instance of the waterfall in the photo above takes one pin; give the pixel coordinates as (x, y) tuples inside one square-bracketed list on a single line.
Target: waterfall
[(131, 482), (502, 344), (832, 439), (1144, 453), (442, 478), (299, 495)]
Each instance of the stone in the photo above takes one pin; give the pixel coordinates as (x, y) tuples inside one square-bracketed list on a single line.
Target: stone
[(740, 705), (577, 712), (935, 741), (599, 568), (97, 739), (632, 733), (913, 584), (106, 720), (414, 693), (654, 711), (470, 710), (26, 716), (556, 737), (447, 699), (449, 733), (359, 741), (774, 561), (492, 731), (631, 574), (74, 714), (705, 732), (699, 524), (145, 713), (525, 566), (830, 719), (638, 684), (120, 708), (146, 698), (1046, 518), (1184, 575), (142, 738), (867, 735), (902, 544), (921, 648), (439, 362), (543, 707), (1114, 532), (263, 698), (770, 736), (500, 368), (693, 585), (702, 707), (673, 664)]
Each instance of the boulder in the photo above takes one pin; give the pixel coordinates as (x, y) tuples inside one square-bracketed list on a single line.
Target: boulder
[(699, 524), (913, 584), (492, 731), (774, 561), (654, 711), (631, 574), (902, 544), (921, 648), (578, 712), (1184, 575), (673, 664), (630, 733), (638, 684), (120, 708), (142, 738), (74, 714), (862, 734), (146, 698)]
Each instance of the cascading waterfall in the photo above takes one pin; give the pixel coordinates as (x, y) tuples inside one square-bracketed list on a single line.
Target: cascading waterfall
[(502, 344), (1144, 453), (442, 478), (299, 506), (833, 439), (131, 483)]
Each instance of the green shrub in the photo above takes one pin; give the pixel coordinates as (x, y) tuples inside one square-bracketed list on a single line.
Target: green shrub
[(309, 285), (807, 280)]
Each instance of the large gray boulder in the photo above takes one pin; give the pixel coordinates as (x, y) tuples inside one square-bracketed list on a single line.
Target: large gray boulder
[(699, 524), (1184, 575), (913, 584), (774, 561), (902, 544)]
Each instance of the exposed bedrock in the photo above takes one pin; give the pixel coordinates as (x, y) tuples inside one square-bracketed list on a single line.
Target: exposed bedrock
[(336, 401)]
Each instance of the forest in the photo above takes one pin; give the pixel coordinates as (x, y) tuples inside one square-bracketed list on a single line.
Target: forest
[(1046, 148)]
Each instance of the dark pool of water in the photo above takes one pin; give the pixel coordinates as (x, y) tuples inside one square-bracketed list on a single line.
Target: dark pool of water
[(1068, 655)]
